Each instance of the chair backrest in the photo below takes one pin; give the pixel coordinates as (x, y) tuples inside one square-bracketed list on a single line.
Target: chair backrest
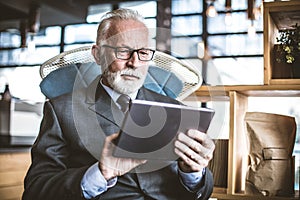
[(167, 75)]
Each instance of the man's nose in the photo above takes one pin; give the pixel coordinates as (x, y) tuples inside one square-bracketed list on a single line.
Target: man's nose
[(134, 60)]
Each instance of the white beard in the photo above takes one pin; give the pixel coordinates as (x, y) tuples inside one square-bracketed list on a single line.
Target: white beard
[(121, 85)]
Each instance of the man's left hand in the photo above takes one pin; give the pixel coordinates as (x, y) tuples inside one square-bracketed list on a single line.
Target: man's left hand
[(195, 150)]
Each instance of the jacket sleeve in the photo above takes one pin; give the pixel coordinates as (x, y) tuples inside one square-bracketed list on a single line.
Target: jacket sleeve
[(50, 175)]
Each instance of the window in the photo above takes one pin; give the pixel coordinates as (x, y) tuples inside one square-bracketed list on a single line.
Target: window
[(10, 39), (234, 71), (235, 45), (234, 51), (234, 22), (181, 25), (147, 9), (95, 12), (186, 28), (186, 7), (40, 47), (81, 33), (48, 36), (20, 78), (184, 47)]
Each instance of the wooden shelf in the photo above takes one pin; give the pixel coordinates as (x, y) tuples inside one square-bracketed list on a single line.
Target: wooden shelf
[(213, 93), (220, 193), (249, 197)]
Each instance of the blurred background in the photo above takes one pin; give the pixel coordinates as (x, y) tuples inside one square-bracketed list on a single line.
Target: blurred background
[(222, 38)]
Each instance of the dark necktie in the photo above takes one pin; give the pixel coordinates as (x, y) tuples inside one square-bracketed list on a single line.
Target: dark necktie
[(123, 101)]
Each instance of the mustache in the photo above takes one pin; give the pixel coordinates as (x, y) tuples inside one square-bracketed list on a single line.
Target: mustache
[(131, 72)]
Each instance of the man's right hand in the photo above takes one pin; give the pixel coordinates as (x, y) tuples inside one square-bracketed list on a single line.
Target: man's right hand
[(111, 166)]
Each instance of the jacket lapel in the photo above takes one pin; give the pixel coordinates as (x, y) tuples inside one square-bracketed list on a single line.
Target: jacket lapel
[(100, 102), (144, 94)]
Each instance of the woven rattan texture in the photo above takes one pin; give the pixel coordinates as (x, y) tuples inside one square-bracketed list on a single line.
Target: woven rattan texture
[(187, 73)]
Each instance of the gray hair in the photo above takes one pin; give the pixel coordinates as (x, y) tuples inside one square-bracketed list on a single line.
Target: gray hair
[(110, 17)]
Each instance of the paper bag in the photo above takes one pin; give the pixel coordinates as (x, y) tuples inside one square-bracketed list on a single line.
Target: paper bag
[(271, 139)]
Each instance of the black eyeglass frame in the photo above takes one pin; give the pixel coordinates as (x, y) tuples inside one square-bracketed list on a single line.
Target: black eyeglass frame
[(130, 50)]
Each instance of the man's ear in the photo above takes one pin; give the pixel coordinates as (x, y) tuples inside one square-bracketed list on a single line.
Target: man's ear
[(96, 53)]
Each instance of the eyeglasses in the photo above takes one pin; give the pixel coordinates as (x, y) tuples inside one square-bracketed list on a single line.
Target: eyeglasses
[(125, 53)]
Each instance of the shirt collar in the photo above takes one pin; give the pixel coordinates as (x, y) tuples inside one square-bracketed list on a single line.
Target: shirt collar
[(115, 95)]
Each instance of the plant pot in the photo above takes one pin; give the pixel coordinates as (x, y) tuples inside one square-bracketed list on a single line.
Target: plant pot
[(296, 69), (281, 69)]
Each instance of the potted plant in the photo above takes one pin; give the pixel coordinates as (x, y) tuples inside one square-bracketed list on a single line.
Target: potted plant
[(287, 52)]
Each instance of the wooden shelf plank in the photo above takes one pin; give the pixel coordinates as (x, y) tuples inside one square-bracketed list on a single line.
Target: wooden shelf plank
[(221, 196), (237, 151), (221, 92)]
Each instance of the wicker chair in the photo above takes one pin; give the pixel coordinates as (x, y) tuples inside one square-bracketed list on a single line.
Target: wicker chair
[(167, 75)]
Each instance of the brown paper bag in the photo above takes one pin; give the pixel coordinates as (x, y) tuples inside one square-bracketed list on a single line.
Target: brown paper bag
[(271, 139)]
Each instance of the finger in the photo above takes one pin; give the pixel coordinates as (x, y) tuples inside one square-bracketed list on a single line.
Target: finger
[(191, 158), (188, 160), (191, 142), (197, 147), (187, 151), (139, 161), (112, 137), (110, 140), (197, 135), (108, 144), (201, 137), (207, 144)]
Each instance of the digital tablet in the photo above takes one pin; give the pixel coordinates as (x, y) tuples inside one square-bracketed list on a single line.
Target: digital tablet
[(149, 129)]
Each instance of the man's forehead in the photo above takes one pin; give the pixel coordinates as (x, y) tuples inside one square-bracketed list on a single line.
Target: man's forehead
[(129, 33), (127, 25)]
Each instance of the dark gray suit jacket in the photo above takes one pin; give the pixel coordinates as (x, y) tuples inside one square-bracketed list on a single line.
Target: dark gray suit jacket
[(70, 141)]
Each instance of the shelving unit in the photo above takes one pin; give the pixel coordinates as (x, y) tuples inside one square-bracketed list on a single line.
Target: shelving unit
[(277, 15), (237, 152)]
